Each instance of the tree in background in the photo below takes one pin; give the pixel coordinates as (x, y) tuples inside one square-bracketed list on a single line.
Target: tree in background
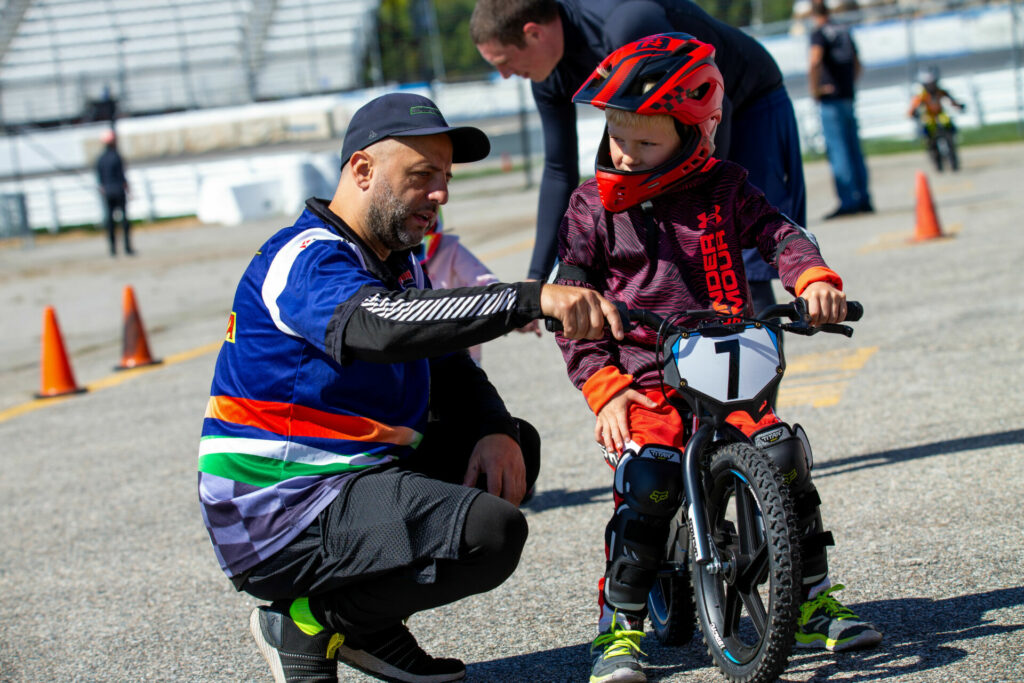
[(742, 13), (406, 34)]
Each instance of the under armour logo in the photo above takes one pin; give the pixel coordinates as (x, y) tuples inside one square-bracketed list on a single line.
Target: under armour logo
[(713, 218)]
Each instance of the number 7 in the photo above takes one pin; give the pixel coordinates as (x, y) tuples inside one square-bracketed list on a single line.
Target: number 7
[(731, 347)]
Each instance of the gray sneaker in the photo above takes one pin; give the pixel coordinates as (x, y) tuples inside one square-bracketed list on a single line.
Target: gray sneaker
[(615, 655), (293, 656), (824, 623)]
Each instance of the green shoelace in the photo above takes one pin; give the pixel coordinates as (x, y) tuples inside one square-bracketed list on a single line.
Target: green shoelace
[(824, 601)]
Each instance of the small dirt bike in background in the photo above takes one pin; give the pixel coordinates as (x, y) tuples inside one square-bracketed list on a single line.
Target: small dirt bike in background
[(935, 125), (733, 551), (939, 135)]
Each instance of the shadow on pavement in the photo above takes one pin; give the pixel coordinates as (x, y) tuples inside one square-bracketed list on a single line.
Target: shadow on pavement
[(563, 498), (831, 468), (572, 663), (919, 636)]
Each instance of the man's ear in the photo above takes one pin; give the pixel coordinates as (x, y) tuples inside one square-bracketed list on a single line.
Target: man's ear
[(360, 165), (533, 32)]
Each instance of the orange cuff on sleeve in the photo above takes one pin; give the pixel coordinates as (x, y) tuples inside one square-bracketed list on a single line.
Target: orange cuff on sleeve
[(604, 384), (817, 274)]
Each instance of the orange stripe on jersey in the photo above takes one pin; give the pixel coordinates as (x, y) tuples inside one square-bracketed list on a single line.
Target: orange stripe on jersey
[(817, 274), (603, 385), (288, 419)]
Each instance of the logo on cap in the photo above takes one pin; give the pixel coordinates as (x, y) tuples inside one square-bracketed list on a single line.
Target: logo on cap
[(420, 109)]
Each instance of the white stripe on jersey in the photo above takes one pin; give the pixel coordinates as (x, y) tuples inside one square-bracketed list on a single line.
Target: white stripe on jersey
[(288, 451), (281, 266), (448, 308)]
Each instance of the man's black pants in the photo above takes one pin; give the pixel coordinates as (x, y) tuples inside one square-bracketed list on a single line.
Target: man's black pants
[(402, 539)]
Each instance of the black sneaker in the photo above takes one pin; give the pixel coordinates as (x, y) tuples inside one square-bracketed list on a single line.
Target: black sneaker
[(840, 212), (394, 655), (293, 656)]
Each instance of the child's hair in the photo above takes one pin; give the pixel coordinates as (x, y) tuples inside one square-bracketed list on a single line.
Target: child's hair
[(630, 119)]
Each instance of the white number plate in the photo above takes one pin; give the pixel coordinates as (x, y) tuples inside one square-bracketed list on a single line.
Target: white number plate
[(728, 369)]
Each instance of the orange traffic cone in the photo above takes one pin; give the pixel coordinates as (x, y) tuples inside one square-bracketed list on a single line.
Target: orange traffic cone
[(57, 378), (135, 350), (927, 227)]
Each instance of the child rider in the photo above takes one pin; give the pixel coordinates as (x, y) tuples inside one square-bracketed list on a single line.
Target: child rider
[(662, 227)]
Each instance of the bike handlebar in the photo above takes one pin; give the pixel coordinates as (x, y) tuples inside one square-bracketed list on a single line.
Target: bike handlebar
[(795, 311)]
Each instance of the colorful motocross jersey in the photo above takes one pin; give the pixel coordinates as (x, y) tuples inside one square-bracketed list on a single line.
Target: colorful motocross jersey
[(324, 372), (928, 105), (686, 255)]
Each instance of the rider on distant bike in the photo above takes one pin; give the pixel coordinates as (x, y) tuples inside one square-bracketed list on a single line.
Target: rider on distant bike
[(926, 106), (662, 227)]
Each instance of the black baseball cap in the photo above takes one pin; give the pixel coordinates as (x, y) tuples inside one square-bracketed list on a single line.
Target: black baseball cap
[(398, 115)]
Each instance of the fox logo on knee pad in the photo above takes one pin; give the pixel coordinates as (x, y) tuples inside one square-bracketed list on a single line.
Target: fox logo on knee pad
[(789, 449), (650, 485)]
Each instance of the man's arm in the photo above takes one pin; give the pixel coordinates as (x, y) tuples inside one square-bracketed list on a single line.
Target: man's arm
[(383, 326), (817, 59), (560, 177)]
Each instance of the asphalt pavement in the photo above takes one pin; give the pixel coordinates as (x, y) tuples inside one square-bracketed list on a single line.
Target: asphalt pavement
[(106, 570)]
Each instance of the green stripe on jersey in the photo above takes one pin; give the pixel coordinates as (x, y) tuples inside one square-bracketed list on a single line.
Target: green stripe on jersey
[(259, 471)]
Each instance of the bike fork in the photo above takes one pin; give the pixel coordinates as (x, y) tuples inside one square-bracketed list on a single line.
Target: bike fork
[(696, 514)]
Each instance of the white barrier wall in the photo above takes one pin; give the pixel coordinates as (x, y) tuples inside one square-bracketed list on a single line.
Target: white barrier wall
[(228, 190)]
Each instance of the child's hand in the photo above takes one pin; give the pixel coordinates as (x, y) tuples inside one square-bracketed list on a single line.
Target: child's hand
[(825, 303), (612, 429)]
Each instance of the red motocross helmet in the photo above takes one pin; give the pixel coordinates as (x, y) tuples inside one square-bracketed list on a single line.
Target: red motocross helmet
[(687, 86)]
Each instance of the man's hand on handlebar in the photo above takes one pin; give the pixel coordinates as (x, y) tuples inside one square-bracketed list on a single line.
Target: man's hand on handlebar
[(825, 303), (583, 313)]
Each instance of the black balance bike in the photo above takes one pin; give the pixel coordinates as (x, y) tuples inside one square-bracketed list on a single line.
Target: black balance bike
[(733, 551)]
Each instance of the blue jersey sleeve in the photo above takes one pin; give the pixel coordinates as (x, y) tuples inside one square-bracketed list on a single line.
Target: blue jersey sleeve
[(307, 281)]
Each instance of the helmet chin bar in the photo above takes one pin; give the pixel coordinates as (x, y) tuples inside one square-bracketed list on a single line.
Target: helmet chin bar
[(621, 190)]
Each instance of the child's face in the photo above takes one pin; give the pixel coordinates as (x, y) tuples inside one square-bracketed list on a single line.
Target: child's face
[(644, 146)]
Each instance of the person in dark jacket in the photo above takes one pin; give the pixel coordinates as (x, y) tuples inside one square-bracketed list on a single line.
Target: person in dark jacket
[(833, 71), (558, 43), (348, 433), (114, 189)]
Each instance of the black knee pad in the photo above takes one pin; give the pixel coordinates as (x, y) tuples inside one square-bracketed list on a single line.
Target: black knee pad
[(651, 487), (789, 450)]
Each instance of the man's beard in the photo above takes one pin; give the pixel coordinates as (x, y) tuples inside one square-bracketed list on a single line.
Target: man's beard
[(386, 219)]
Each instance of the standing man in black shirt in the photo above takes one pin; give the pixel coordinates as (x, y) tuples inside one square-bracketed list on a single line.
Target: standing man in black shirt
[(558, 43), (834, 67), (114, 190)]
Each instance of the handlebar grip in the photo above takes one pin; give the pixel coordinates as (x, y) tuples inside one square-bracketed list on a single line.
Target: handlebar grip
[(854, 311), (844, 330), (555, 325)]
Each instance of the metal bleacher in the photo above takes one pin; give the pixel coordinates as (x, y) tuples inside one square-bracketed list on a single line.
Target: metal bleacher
[(58, 58), (314, 46)]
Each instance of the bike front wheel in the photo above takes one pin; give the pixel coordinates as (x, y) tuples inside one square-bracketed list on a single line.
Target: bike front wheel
[(748, 610), (670, 602)]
